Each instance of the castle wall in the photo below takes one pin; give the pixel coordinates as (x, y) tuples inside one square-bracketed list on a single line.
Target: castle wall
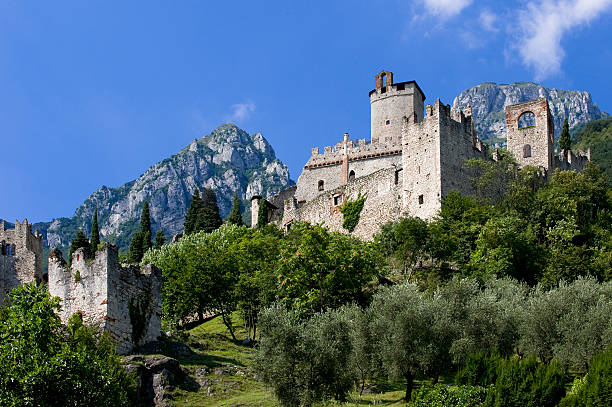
[(575, 161), (383, 203), (103, 291), (20, 257)]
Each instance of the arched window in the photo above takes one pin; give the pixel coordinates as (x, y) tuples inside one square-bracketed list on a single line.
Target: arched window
[(321, 186), (527, 119), (526, 151), (351, 175)]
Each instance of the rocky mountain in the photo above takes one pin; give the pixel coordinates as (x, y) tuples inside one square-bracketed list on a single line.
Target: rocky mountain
[(227, 160), (488, 101)]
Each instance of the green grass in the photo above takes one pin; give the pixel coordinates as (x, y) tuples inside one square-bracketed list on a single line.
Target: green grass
[(215, 351)]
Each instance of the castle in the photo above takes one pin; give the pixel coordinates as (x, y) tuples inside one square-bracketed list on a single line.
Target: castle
[(21, 257), (411, 163)]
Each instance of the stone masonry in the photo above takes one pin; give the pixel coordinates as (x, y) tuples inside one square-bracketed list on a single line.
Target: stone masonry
[(124, 301), (21, 257), (412, 162)]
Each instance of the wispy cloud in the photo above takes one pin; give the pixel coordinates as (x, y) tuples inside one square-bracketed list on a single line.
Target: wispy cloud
[(242, 111), (446, 8), (543, 24), (489, 20)]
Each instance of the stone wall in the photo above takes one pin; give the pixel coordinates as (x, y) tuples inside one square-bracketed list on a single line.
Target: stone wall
[(108, 295), (383, 203), (575, 161), (21, 255)]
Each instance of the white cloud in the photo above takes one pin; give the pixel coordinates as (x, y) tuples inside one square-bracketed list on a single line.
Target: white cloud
[(242, 111), (488, 20), (446, 8), (542, 26)]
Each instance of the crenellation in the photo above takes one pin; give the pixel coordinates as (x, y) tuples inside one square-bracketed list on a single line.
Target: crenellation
[(108, 295)]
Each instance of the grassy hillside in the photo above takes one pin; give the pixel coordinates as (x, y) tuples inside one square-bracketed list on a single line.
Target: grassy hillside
[(597, 135)]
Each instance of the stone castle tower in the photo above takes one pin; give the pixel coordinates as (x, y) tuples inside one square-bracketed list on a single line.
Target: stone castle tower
[(21, 256), (415, 158)]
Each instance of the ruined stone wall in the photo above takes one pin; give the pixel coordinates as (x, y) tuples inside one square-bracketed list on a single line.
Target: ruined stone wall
[(575, 161), (101, 290), (383, 203), (20, 257), (531, 145)]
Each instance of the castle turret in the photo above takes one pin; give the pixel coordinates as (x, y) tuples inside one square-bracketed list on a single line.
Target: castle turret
[(390, 103)]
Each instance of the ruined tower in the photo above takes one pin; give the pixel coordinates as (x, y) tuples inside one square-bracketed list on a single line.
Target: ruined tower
[(21, 255), (530, 133), (389, 104)]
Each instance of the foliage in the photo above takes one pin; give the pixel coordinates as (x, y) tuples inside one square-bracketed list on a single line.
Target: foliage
[(441, 395), (565, 141), (160, 239), (208, 218), (527, 382), (480, 369), (80, 241), (235, 216), (145, 227), (491, 179), (46, 364), (597, 135), (351, 211), (262, 213), (319, 269), (407, 241), (192, 213), (135, 252), (95, 234), (596, 387), (305, 361)]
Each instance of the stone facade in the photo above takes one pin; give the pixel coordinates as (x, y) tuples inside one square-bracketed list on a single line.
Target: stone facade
[(110, 297), (412, 162), (21, 257)]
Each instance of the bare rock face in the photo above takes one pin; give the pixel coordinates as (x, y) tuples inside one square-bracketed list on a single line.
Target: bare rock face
[(228, 160), (488, 101)]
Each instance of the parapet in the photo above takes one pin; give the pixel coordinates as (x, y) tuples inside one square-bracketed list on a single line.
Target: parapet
[(124, 301)]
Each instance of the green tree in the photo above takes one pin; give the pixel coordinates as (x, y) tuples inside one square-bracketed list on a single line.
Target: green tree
[(319, 269), (208, 217), (235, 216), (42, 362), (135, 252), (595, 389), (160, 239), (95, 234), (191, 217), (145, 227), (565, 141), (406, 241), (80, 241), (262, 213)]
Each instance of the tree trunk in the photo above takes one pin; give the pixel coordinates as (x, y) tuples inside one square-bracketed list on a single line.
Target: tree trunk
[(409, 386)]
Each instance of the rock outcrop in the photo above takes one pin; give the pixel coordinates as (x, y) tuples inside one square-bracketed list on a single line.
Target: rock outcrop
[(228, 160), (488, 101)]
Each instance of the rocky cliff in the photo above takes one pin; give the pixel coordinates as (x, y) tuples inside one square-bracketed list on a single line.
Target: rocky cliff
[(488, 101), (227, 160)]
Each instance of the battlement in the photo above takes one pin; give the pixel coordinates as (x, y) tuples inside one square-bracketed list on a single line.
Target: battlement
[(124, 301), (576, 161)]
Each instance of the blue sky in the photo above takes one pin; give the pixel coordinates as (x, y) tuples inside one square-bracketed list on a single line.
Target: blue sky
[(93, 93)]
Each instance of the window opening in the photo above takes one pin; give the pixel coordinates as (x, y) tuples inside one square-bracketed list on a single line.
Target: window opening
[(420, 199), (526, 151), (321, 185), (352, 175), (526, 120)]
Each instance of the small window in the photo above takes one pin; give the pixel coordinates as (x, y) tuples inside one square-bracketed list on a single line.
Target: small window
[(13, 251), (397, 176), (321, 185), (352, 175), (526, 151), (387, 122), (337, 200), (526, 120), (420, 199)]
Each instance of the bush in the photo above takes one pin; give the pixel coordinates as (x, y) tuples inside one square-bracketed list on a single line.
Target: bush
[(527, 383), (480, 369), (596, 388), (442, 395)]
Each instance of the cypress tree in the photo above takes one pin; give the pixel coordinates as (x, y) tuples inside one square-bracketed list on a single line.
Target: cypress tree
[(192, 213), (95, 234), (135, 253), (565, 141), (145, 227), (160, 239), (208, 218), (235, 216), (262, 213), (79, 241)]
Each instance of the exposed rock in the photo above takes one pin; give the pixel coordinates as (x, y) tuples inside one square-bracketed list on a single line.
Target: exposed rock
[(488, 101), (228, 160)]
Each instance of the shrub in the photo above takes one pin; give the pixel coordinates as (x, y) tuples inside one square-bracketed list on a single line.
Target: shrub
[(596, 388), (441, 395), (480, 369)]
